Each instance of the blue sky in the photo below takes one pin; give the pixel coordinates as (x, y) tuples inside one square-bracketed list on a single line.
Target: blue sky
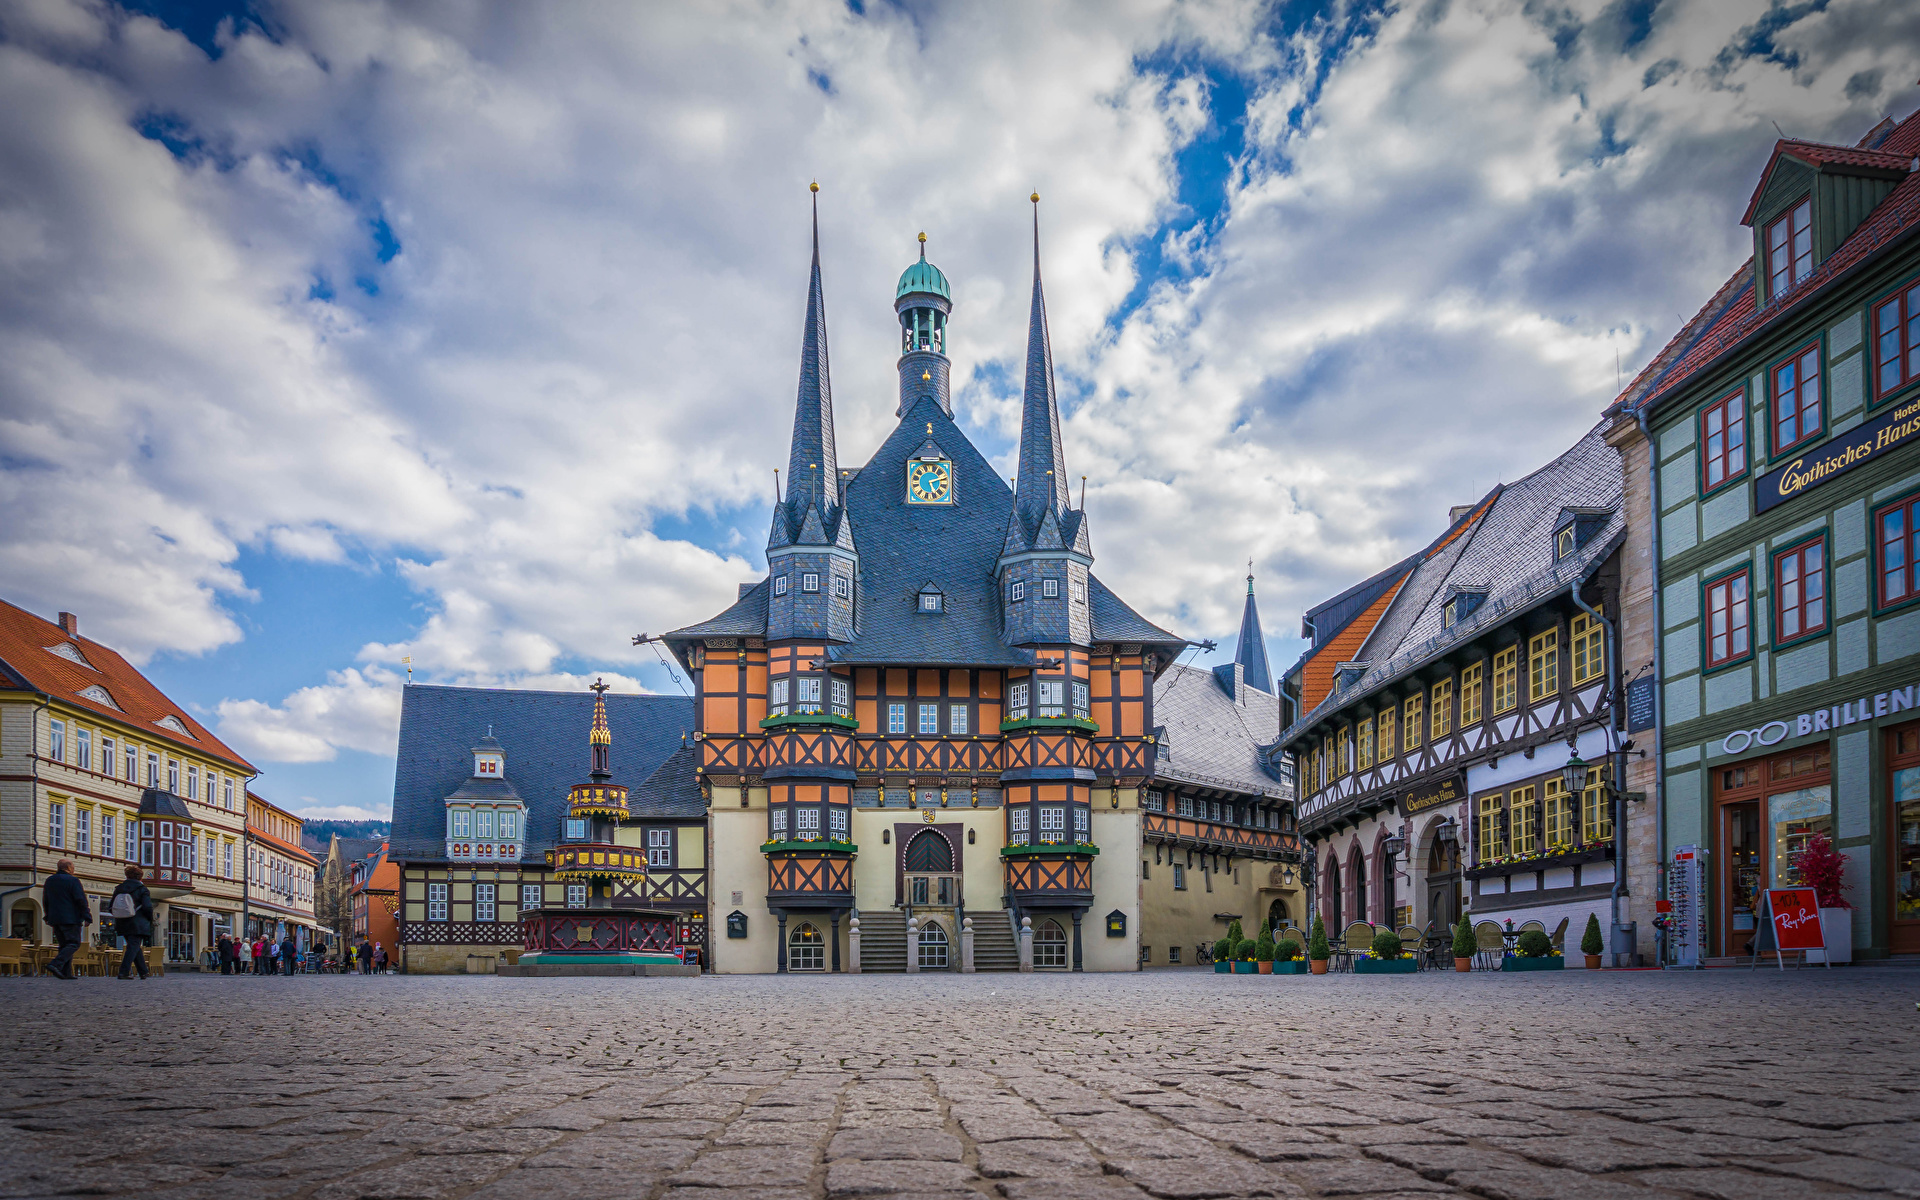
[(336, 335)]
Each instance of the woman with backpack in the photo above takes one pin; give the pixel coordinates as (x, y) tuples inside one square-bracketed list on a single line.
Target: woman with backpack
[(133, 921)]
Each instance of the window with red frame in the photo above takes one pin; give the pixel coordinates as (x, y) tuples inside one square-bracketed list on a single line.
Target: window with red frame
[(1790, 249), (1896, 341), (1899, 545), (1800, 590), (1723, 435), (1729, 619), (1796, 399)]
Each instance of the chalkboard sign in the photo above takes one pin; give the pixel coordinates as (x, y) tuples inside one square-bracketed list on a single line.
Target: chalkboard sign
[(1640, 704)]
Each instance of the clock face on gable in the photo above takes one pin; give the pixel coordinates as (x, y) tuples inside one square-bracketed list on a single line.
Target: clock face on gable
[(930, 482)]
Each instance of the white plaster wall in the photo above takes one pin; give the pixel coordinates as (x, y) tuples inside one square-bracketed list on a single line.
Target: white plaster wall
[(738, 866), (1116, 884)]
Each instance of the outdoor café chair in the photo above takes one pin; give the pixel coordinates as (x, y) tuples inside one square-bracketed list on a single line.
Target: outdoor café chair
[(13, 956), (1559, 937), (1358, 938), (1410, 940), (1490, 945)]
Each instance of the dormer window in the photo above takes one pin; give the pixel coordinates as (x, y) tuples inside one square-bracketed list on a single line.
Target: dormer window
[(1790, 249), (1461, 605), (1576, 528), (1017, 591), (840, 587), (1049, 589), (809, 582), (1079, 592), (779, 585), (932, 601)]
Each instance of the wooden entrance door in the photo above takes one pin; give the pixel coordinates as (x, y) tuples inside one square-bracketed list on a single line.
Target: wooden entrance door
[(1765, 810), (1742, 875), (1903, 794), (1443, 883)]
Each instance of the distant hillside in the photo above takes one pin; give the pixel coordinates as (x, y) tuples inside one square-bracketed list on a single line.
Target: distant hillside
[(318, 834)]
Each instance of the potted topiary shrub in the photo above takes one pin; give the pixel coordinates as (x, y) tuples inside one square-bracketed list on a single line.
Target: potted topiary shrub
[(1464, 944), (1286, 958), (1318, 951), (1533, 952), (1223, 957), (1387, 957), (1243, 963), (1590, 943), (1263, 951)]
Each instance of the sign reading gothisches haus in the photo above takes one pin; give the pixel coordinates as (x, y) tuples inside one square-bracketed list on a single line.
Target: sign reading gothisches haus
[(1842, 454)]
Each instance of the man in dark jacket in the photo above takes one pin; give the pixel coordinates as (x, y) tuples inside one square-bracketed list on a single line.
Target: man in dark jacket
[(289, 954), (68, 911), (365, 955), (136, 929), (225, 945)]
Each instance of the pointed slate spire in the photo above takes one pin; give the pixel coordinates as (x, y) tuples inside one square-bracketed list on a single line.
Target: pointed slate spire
[(813, 467), (1252, 651), (1041, 485)]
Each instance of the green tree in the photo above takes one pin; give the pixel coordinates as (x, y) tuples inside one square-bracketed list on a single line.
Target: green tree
[(1317, 949), (1263, 948), (1243, 951), (1464, 944)]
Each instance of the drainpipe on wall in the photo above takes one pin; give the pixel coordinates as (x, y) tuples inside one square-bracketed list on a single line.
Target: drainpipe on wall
[(1659, 677), (33, 830), (1618, 756)]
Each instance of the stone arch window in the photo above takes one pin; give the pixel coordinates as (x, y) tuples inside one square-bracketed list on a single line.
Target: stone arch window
[(806, 949), (1330, 889), (933, 947), (1356, 901), (929, 853), (1049, 944)]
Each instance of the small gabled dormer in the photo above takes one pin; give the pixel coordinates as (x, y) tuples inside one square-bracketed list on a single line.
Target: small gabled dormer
[(1461, 602), (486, 818), (1574, 528), (1810, 199), (931, 601), (1346, 674)]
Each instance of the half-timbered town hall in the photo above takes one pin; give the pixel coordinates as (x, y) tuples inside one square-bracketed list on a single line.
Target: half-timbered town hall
[(932, 716)]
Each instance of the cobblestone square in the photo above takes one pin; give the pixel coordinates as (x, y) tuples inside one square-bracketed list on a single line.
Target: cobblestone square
[(1168, 1084)]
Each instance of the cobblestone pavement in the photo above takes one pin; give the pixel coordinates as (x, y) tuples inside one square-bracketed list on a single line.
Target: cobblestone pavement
[(1171, 1084)]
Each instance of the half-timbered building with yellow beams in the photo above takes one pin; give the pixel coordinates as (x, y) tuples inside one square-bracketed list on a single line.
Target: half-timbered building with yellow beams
[(928, 736)]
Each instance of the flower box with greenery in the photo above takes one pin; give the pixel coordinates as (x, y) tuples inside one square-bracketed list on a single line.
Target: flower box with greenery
[(1263, 951), (1465, 945), (1243, 963), (1560, 854), (1318, 950), (1590, 943), (1224, 948), (1287, 958), (1534, 952), (1824, 869), (1386, 958)]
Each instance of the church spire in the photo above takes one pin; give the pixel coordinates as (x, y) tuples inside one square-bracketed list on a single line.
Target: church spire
[(1041, 485), (1251, 654), (813, 468)]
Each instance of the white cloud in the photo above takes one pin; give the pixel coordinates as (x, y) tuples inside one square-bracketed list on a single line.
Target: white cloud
[(584, 328), (313, 810)]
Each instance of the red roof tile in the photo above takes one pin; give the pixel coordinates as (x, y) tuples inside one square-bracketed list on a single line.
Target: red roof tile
[(24, 652), (1730, 318)]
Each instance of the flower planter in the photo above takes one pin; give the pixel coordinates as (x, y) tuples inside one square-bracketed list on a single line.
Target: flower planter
[(1266, 968), (1550, 962), (1463, 964), (1385, 966), (1593, 962), (1836, 930), (1319, 966), (1296, 967), (1245, 968), (1223, 968)]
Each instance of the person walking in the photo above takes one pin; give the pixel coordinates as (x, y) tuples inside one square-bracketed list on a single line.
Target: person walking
[(365, 954), (133, 921), (379, 958), (225, 946), (289, 953), (64, 899), (273, 956)]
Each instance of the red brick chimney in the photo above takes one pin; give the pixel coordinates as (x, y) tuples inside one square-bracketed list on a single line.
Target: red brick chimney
[(71, 624)]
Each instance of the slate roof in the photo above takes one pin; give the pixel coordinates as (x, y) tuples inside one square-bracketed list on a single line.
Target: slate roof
[(352, 850), (1210, 740), (1251, 653), (544, 738), (1113, 620), (27, 660), (673, 790), (1509, 553), (1731, 319)]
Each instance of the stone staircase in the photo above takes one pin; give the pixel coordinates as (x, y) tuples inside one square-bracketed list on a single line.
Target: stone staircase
[(883, 941), (993, 946)]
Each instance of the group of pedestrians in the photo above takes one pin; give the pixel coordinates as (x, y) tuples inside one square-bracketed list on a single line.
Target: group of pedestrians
[(266, 956), (69, 911)]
